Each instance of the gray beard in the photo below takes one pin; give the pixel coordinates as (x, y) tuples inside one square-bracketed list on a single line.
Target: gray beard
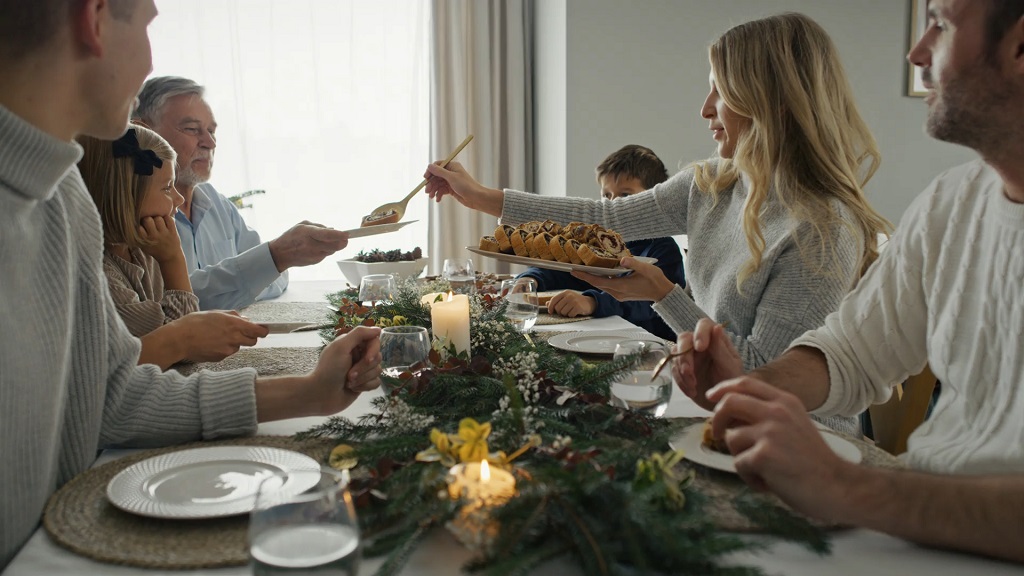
[(187, 178)]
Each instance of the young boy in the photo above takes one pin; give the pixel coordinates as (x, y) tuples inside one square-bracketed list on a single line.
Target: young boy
[(630, 170)]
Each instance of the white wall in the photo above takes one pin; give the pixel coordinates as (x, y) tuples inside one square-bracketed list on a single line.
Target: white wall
[(636, 72)]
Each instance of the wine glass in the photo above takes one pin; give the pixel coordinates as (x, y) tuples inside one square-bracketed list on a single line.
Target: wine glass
[(312, 532), (374, 288), (634, 389), (460, 273), (400, 348), (521, 294)]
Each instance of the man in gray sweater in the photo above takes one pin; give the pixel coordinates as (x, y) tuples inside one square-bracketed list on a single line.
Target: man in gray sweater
[(69, 384)]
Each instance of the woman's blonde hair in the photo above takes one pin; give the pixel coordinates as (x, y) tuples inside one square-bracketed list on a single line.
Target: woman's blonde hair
[(805, 140), (116, 188)]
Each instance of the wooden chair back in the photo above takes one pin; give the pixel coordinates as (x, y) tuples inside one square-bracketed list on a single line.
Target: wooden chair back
[(893, 421)]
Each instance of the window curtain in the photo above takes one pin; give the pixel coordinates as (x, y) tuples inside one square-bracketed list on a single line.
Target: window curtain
[(481, 84)]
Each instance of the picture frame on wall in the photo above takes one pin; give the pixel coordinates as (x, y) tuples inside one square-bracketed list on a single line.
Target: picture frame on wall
[(918, 25)]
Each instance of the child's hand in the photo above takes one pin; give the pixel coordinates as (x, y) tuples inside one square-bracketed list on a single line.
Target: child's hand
[(163, 233), (571, 304)]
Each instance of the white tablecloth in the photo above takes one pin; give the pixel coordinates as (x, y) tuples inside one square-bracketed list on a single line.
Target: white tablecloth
[(855, 552)]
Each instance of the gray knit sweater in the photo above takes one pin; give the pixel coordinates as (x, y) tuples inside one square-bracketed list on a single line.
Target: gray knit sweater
[(69, 384), (782, 300)]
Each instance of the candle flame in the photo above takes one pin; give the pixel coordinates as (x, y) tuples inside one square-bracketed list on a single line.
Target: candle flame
[(485, 472), (450, 296)]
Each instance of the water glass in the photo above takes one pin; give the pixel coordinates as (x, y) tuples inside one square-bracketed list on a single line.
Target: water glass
[(634, 389), (523, 305), (460, 273), (375, 288), (401, 347), (314, 532)]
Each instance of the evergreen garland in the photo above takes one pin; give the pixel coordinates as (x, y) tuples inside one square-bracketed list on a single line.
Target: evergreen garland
[(592, 481)]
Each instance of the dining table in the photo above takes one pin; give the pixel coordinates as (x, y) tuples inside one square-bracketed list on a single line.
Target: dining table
[(854, 551)]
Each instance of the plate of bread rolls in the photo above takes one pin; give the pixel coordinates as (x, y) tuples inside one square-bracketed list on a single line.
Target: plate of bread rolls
[(698, 445), (577, 246)]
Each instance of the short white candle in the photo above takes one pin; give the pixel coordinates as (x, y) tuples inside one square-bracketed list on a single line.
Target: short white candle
[(449, 321)]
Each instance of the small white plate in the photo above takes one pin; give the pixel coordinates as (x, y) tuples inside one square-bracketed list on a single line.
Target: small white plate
[(377, 229), (207, 482), (691, 442), (560, 266), (597, 341)]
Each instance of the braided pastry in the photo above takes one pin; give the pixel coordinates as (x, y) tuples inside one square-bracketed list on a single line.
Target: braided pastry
[(597, 256), (557, 249), (518, 242), (490, 244), (612, 242), (503, 234)]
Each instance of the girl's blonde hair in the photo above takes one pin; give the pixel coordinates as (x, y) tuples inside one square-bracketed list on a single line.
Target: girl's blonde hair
[(116, 188), (805, 140)]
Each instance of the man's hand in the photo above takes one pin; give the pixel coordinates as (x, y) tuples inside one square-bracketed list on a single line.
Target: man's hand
[(777, 447), (646, 283), (348, 366), (306, 243), (710, 359), (161, 231), (214, 335), (571, 304)]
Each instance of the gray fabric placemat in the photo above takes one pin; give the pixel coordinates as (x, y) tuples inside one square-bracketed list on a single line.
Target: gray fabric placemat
[(266, 361), (270, 312)]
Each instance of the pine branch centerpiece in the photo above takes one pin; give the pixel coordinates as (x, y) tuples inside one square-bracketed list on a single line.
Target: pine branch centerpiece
[(567, 473)]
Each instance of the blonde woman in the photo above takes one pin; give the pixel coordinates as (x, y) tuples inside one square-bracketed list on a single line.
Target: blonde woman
[(131, 181), (779, 228)]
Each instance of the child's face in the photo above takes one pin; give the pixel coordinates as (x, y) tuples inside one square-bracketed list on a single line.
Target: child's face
[(161, 198), (619, 185)]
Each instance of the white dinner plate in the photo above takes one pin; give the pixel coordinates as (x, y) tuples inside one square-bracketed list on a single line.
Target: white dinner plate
[(207, 482), (560, 266), (377, 229), (597, 341), (690, 441)]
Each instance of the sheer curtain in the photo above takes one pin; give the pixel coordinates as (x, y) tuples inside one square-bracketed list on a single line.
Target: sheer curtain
[(323, 104), (481, 70)]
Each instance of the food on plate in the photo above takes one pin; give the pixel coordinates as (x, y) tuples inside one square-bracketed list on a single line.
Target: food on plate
[(708, 440), (519, 239), (503, 234), (575, 243), (396, 255), (597, 256), (389, 217), (490, 244)]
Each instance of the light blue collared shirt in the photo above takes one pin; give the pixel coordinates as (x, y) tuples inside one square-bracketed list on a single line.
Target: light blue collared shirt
[(228, 265)]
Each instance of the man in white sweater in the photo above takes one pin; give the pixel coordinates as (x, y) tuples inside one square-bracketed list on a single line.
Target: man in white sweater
[(69, 384), (947, 291)]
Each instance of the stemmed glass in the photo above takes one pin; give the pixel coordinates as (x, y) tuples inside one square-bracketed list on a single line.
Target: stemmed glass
[(375, 288), (312, 532), (402, 347), (460, 273), (523, 305), (634, 389)]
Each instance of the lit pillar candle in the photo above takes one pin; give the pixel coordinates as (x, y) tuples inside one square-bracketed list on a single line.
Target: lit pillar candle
[(449, 321), (429, 299), (481, 484)]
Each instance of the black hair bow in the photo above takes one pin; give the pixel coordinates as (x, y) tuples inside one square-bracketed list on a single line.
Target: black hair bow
[(145, 160)]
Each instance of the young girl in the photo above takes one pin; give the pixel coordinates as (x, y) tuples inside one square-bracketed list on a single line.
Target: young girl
[(131, 180), (779, 227)]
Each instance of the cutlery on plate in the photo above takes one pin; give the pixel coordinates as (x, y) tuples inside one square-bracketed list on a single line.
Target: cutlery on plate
[(664, 361), (399, 207)]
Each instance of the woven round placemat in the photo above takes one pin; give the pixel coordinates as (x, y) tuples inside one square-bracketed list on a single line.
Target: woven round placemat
[(545, 319), (266, 361), (80, 518), (276, 312), (722, 488)]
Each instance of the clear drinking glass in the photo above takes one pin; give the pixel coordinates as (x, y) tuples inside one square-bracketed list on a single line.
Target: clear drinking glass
[(314, 532), (521, 294), (400, 348), (634, 389), (375, 288), (460, 273)]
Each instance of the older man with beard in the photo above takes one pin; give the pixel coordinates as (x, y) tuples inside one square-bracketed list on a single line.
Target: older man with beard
[(229, 266), (947, 292)]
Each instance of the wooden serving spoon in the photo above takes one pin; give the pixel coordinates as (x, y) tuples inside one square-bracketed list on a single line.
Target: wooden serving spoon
[(399, 207)]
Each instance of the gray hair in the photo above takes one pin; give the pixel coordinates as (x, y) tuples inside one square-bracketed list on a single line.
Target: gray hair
[(157, 91)]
